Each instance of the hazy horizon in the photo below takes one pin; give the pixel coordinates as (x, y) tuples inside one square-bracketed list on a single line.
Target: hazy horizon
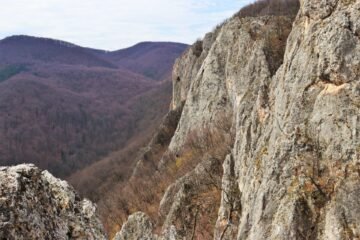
[(79, 45), (115, 24)]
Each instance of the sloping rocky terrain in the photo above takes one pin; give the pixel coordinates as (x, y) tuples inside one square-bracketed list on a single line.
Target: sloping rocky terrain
[(277, 102)]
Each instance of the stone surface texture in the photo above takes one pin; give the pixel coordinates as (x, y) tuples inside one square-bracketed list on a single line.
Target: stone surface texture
[(36, 205), (291, 91), (138, 227)]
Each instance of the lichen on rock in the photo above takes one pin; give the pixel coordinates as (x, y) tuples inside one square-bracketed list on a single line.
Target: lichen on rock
[(138, 226), (36, 205)]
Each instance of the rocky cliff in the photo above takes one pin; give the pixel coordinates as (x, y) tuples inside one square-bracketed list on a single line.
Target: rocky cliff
[(276, 102), (262, 142), (36, 205)]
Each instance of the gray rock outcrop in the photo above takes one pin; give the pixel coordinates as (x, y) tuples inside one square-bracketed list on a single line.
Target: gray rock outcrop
[(291, 92), (36, 205), (138, 227)]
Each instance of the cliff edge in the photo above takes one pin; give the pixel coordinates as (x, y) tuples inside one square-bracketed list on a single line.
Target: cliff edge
[(36, 205), (276, 102)]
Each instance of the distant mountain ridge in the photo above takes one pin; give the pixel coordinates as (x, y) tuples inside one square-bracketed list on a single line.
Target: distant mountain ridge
[(63, 106), (26, 49), (151, 59)]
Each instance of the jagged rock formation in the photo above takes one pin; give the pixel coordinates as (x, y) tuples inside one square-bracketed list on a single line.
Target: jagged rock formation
[(139, 226), (291, 93), (234, 81), (36, 205)]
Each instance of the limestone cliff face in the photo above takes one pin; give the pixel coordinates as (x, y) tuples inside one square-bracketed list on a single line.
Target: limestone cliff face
[(231, 86), (296, 156), (290, 90), (36, 205)]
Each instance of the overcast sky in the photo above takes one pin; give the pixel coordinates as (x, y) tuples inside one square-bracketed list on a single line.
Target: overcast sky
[(114, 24)]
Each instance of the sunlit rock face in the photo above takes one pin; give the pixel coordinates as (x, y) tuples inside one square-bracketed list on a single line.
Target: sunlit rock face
[(291, 92), (138, 226), (36, 205)]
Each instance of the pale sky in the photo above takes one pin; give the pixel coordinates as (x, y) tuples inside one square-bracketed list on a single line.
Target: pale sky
[(114, 24)]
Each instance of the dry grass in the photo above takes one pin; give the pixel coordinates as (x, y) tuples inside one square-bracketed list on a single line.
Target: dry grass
[(144, 191)]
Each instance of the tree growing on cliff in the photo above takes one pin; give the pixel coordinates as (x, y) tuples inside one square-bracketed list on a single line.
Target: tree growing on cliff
[(270, 7)]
